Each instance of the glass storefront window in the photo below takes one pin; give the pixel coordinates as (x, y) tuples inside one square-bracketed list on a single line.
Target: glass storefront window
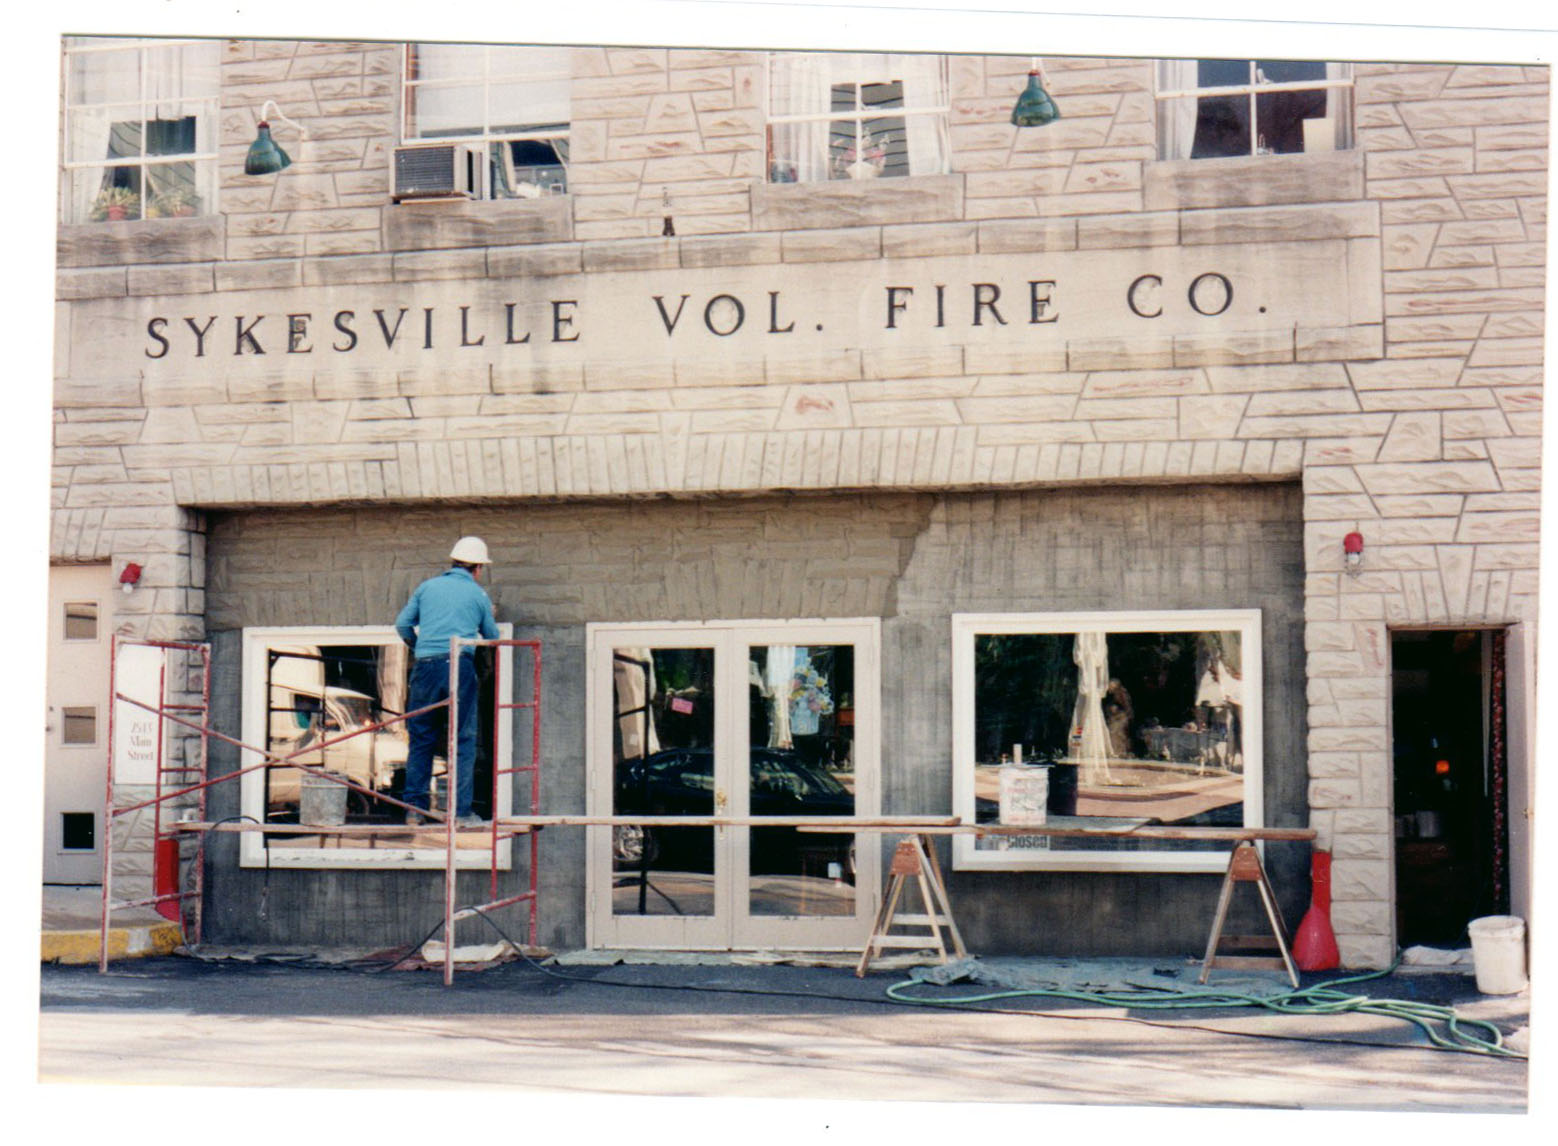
[(1106, 721), (663, 763), (801, 762), (330, 699)]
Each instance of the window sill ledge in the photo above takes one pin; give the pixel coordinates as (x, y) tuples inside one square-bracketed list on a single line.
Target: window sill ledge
[(1253, 180), (852, 203), (434, 224), (198, 238)]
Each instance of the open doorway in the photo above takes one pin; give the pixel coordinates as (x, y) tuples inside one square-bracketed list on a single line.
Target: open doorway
[(1450, 778)]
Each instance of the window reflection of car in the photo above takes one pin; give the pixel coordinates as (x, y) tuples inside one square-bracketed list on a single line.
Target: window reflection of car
[(304, 717), (680, 782)]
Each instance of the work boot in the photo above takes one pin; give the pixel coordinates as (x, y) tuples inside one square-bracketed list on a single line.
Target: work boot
[(414, 818), (470, 820)]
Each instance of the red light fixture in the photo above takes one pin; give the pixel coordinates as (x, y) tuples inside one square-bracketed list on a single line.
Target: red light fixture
[(1352, 551), (129, 576)]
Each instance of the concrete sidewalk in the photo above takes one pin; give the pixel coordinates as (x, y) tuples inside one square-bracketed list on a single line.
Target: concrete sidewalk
[(712, 1026), (72, 925)]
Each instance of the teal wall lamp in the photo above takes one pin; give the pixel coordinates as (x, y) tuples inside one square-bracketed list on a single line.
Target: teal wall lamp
[(265, 155), (1034, 108)]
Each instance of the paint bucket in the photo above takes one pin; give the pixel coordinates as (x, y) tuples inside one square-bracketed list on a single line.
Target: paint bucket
[(1498, 950), (1024, 794), (322, 800)]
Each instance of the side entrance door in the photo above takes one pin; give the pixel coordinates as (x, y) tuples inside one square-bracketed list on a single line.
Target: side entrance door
[(746, 719), (80, 611)]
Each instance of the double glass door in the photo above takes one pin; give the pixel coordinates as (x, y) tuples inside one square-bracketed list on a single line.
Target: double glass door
[(745, 720)]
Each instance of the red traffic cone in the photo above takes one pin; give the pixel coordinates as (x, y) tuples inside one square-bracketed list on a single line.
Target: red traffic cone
[(1314, 947)]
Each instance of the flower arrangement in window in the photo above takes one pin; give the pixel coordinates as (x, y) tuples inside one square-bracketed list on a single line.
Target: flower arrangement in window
[(810, 698), (866, 162), (175, 202), (115, 203)]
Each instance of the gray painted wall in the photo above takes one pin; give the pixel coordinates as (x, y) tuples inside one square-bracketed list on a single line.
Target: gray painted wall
[(911, 559)]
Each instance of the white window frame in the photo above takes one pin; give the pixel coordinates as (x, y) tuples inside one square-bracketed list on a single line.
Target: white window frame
[(1253, 88), (731, 926), (206, 119), (254, 723), (483, 135), (1212, 858), (937, 113)]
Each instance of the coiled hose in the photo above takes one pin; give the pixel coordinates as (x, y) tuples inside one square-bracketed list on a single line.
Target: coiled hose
[(1443, 1028)]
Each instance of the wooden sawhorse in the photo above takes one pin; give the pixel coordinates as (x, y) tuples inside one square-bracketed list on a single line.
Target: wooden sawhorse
[(915, 856), (1244, 866)]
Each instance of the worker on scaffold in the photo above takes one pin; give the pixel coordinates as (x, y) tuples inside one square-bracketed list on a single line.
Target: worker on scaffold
[(453, 604)]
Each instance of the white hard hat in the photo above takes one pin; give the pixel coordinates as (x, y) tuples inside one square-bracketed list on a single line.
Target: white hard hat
[(470, 551)]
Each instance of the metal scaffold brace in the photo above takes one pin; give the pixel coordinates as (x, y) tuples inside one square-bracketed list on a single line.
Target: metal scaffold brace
[(171, 786)]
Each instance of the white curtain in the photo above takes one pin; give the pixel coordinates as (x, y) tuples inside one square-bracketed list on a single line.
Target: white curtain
[(1177, 118), (437, 109), (175, 75), (800, 83), (90, 133), (925, 86)]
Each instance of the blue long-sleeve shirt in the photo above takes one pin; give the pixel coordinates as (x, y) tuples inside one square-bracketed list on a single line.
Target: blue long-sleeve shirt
[(449, 605)]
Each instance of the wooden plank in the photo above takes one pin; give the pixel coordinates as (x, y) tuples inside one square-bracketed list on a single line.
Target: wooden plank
[(929, 825), (1146, 832), (341, 829)]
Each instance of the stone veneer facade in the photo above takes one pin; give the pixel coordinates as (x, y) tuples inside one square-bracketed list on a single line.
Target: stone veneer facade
[(1415, 419)]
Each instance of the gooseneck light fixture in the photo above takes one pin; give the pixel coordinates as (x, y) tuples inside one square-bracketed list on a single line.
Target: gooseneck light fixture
[(265, 155), (1034, 108)]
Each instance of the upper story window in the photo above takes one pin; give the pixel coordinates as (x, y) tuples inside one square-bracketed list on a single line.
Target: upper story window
[(1210, 109), (855, 115), (511, 101), (140, 128)]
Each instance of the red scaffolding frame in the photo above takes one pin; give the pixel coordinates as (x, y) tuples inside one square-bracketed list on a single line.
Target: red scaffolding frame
[(165, 836)]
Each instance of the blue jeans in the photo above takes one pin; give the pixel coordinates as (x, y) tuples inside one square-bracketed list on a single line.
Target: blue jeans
[(429, 685)]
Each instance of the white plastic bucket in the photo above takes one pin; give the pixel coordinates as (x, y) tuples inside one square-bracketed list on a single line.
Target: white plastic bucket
[(1498, 948), (1024, 794)]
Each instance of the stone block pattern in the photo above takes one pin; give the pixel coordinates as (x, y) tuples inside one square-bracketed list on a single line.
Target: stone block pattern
[(1445, 486), (657, 132), (910, 559), (1420, 430), (332, 199)]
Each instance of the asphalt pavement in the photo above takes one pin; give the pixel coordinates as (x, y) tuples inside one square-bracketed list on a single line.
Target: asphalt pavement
[(724, 1028)]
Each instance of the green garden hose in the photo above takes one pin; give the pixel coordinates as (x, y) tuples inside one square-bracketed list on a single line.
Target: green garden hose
[(1441, 1025)]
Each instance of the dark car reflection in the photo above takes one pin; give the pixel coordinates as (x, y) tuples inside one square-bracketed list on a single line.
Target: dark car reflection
[(680, 782)]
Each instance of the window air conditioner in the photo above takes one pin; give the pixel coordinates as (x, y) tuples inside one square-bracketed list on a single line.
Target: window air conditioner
[(437, 171)]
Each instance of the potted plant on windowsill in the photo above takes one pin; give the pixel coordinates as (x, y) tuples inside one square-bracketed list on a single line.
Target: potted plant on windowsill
[(115, 203), (868, 162), (176, 202)]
